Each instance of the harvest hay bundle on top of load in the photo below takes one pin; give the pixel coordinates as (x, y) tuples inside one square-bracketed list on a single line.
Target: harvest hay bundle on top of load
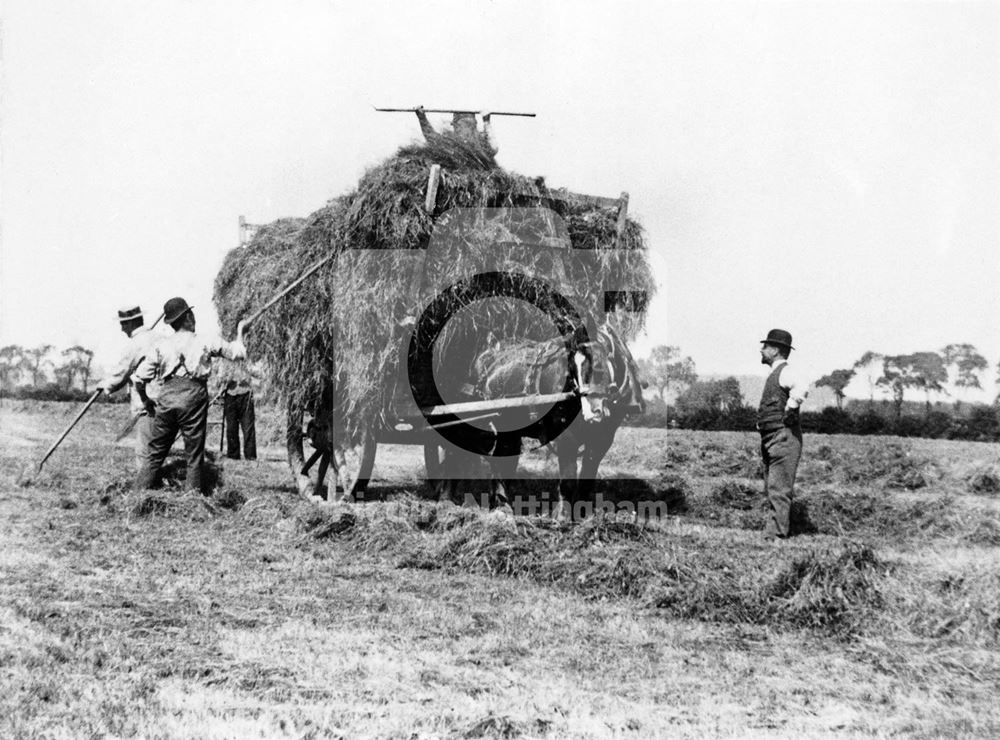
[(356, 305)]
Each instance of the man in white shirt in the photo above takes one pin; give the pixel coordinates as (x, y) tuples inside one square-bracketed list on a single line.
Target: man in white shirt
[(138, 343), (182, 363), (780, 430)]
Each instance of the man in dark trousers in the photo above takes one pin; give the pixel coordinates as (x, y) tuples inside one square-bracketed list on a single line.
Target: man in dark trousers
[(238, 410), (182, 363), (780, 431)]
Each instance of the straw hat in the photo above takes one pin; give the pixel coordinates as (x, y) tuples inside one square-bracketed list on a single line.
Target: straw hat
[(129, 314)]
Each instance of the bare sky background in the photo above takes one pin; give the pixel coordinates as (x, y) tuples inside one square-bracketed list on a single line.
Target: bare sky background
[(829, 168)]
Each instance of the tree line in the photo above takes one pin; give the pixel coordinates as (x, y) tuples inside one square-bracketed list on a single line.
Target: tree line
[(684, 400), (45, 373)]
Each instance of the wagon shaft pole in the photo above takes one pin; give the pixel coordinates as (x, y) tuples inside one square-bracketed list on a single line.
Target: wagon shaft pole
[(538, 399)]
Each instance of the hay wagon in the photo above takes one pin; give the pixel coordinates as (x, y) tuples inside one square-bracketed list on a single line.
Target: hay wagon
[(344, 335), (403, 417)]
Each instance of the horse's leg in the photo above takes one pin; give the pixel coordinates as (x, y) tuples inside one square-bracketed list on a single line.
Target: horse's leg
[(293, 445), (596, 446), (503, 469), (566, 454)]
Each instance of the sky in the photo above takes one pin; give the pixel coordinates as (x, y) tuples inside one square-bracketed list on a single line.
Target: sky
[(828, 168)]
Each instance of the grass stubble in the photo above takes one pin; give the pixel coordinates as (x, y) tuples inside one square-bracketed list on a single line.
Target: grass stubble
[(254, 613)]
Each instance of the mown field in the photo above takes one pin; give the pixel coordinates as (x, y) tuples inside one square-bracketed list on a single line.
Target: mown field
[(256, 614)]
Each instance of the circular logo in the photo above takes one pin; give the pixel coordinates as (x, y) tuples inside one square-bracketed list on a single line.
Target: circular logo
[(432, 322)]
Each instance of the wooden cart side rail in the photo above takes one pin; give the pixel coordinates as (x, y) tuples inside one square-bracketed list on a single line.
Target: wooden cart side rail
[(560, 195), (538, 399)]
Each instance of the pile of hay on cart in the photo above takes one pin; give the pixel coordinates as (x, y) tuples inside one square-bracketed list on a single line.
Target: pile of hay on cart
[(353, 311)]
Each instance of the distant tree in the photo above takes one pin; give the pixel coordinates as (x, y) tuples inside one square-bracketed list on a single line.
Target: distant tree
[(35, 362), (924, 371), (665, 369), (894, 378), (931, 374), (997, 400), (729, 396), (968, 364), (11, 357), (78, 364), (837, 381), (722, 396), (866, 363), (64, 377)]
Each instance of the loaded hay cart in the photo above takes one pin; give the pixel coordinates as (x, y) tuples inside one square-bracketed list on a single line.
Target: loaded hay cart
[(399, 254)]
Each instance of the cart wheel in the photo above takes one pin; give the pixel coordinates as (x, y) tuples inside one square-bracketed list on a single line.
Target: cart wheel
[(353, 466)]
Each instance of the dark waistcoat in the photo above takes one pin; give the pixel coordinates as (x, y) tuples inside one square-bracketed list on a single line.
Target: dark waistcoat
[(772, 402)]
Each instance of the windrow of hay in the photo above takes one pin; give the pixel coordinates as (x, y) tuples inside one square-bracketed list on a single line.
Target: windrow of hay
[(190, 505), (892, 463), (836, 588), (956, 604), (737, 495), (985, 479), (712, 458), (391, 261), (904, 519)]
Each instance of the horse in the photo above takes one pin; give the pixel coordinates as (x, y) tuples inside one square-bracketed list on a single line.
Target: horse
[(601, 375), (581, 448)]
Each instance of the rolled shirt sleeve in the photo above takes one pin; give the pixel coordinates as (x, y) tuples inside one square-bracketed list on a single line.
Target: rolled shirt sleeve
[(146, 371), (119, 376), (137, 347), (794, 381), (234, 350)]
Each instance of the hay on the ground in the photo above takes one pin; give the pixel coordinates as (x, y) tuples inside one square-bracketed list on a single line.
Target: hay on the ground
[(985, 480), (835, 589), (169, 503)]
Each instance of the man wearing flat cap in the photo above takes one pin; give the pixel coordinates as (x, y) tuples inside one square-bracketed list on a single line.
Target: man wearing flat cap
[(138, 344), (780, 431), (181, 363)]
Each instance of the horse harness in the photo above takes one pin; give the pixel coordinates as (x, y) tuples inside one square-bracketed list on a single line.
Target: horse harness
[(542, 356)]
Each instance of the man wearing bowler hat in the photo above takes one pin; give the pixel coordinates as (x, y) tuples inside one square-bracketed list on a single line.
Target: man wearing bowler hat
[(182, 363), (780, 431), (139, 340)]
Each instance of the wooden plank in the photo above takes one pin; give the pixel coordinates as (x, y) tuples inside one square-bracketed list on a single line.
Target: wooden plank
[(622, 217), (579, 199), (433, 179), (542, 399), (466, 420)]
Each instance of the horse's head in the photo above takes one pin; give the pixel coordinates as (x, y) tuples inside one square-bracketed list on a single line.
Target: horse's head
[(591, 373), (605, 376), (581, 374)]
